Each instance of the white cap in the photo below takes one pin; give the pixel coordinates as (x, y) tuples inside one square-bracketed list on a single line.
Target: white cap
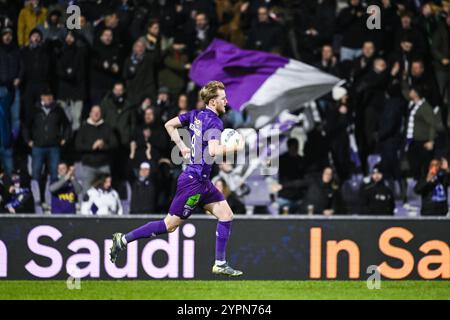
[(145, 165), (338, 93)]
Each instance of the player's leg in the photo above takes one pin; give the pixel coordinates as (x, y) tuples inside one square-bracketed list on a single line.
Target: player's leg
[(167, 225), (185, 200), (222, 211)]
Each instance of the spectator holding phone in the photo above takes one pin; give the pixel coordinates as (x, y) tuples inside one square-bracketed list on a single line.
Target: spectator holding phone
[(433, 188)]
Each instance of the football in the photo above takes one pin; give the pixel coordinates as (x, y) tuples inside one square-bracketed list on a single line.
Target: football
[(230, 137)]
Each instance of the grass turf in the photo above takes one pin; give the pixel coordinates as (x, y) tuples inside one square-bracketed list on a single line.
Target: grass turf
[(224, 290)]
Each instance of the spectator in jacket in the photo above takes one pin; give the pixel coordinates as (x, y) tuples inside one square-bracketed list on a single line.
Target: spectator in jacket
[(95, 141), (164, 109), (201, 36), (175, 67), (70, 70), (143, 192), (11, 70), (52, 29), (37, 60), (152, 39), (409, 30), (265, 35), (105, 65), (322, 195), (440, 50), (363, 64), (19, 199), (377, 198), (65, 190), (149, 142), (420, 133), (45, 132), (101, 199), (351, 22), (139, 73), (433, 188), (292, 170), (30, 16), (120, 115)]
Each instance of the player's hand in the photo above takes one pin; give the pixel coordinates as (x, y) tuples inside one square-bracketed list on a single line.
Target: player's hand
[(185, 153), (276, 187)]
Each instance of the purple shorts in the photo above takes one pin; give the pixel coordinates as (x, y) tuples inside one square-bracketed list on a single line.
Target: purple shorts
[(191, 193)]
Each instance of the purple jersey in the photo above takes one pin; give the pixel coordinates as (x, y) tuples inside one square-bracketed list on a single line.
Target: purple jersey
[(203, 125)]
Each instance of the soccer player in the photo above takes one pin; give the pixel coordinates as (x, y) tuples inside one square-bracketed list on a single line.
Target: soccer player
[(194, 187)]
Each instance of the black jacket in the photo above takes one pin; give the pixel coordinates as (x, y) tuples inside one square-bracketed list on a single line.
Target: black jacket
[(121, 117), (377, 199), (101, 77), (352, 27), (86, 137), (142, 197), (37, 65), (434, 194), (11, 66), (320, 195), (70, 72), (140, 78), (47, 130)]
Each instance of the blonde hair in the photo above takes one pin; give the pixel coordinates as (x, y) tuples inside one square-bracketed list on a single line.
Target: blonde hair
[(209, 91)]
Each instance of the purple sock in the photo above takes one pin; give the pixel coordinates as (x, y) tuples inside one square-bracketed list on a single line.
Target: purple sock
[(148, 230), (222, 235)]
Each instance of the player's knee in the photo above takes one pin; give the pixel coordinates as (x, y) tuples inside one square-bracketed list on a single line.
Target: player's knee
[(228, 216)]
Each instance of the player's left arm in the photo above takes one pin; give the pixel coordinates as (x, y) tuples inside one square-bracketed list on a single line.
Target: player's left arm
[(217, 149)]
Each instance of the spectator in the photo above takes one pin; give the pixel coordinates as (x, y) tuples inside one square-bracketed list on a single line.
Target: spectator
[(292, 171), (45, 132), (351, 23), (265, 35), (152, 39), (433, 189), (440, 51), (164, 108), (11, 70), (149, 142), (119, 113), (85, 33), (19, 199), (201, 36), (233, 200), (337, 122), (175, 66), (65, 190), (143, 192), (139, 73), (30, 16), (362, 65), (408, 30), (322, 195), (101, 199), (52, 30), (95, 140), (183, 103), (377, 198), (70, 70), (37, 60), (105, 65), (328, 62), (421, 132), (232, 17)]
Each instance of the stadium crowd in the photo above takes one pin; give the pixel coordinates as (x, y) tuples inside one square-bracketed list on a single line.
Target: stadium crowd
[(86, 107)]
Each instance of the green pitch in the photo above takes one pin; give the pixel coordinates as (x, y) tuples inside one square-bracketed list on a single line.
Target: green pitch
[(224, 290)]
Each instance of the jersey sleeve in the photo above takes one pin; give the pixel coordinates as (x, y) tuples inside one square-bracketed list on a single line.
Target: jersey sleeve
[(185, 118), (214, 130)]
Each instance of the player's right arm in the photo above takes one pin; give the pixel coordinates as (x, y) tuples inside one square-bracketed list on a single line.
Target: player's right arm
[(171, 126)]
